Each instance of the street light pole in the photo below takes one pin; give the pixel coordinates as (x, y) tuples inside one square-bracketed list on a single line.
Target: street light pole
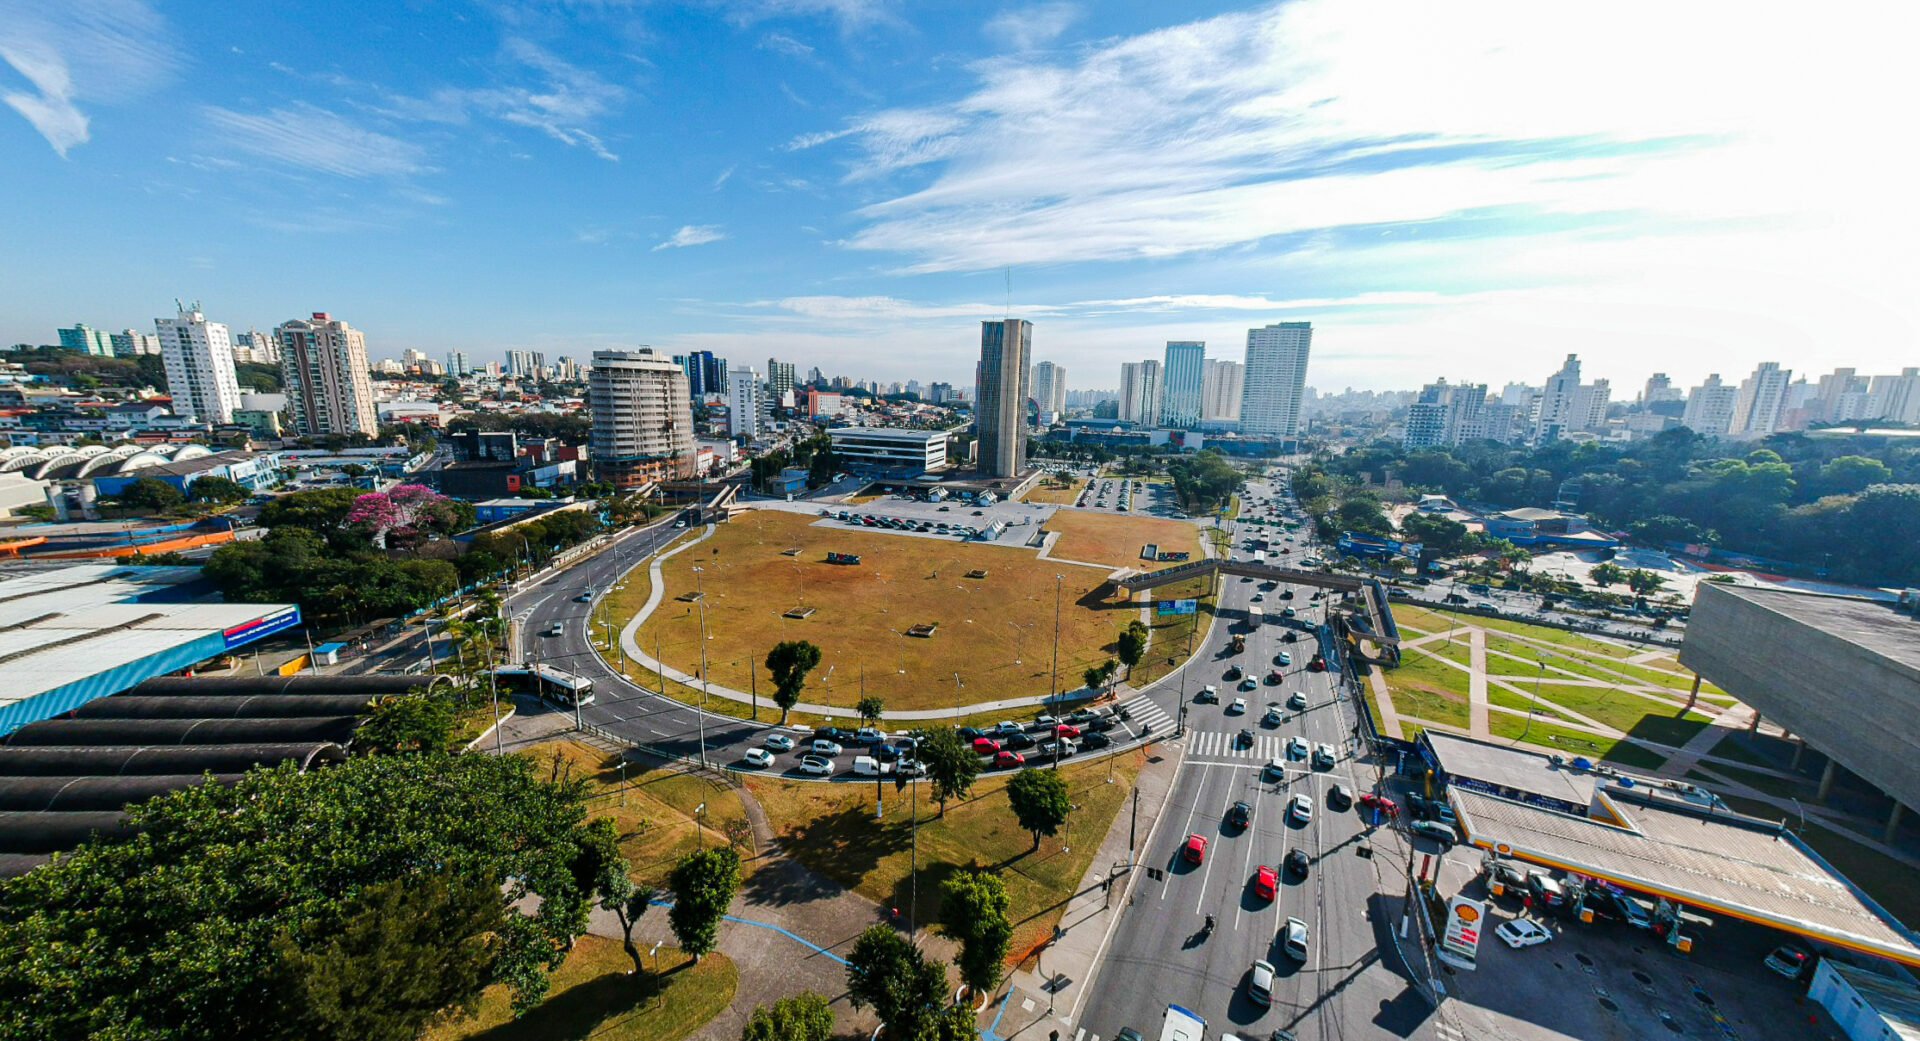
[(701, 595), (1057, 579)]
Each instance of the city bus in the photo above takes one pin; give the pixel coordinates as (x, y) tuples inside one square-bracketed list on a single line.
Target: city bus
[(1181, 1025), (561, 688)]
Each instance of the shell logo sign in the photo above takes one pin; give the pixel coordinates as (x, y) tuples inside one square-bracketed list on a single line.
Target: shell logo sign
[(1460, 945), (1503, 849), (1467, 913)]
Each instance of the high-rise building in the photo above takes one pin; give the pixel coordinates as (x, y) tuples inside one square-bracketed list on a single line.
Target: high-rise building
[(1049, 391), (86, 339), (1185, 377), (940, 393), (706, 375), (1895, 398), (1220, 391), (520, 364), (1276, 375), (1710, 408), (642, 419), (779, 378), (1839, 396), (1446, 414), (132, 344), (1140, 393), (457, 364), (1659, 388), (746, 400), (323, 362), (1756, 411), (198, 355), (1589, 410), (1556, 414), (256, 347), (1001, 411)]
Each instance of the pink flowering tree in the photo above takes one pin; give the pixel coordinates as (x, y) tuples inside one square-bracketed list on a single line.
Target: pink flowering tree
[(403, 515)]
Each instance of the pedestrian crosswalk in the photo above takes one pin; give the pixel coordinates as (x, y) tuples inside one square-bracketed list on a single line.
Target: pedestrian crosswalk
[(1216, 744), (1143, 712)]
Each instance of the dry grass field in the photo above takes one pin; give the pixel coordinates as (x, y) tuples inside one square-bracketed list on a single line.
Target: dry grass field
[(994, 633), (1048, 491), (1115, 539)]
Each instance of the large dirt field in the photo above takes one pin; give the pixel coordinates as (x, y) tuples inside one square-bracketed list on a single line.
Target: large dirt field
[(1115, 539), (995, 633)]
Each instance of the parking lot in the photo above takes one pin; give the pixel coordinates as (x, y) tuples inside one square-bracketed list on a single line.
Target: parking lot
[(1149, 499), (1022, 519)]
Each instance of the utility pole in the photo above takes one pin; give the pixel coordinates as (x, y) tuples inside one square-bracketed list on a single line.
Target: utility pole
[(1057, 579), (701, 595), (1133, 829)]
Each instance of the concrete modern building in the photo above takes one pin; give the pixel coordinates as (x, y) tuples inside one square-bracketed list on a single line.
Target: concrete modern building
[(889, 448), (1710, 408), (1445, 414), (1275, 378), (706, 374), (1659, 388), (1185, 378), (132, 344), (1140, 393), (1049, 391), (257, 347), (86, 339), (457, 364), (1841, 674), (1895, 398), (779, 379), (746, 402), (1220, 389), (323, 362), (642, 418), (1557, 415), (1001, 411), (1762, 396), (198, 355)]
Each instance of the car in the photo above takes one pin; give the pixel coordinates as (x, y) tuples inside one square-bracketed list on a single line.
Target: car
[(1302, 808), (986, 746), (1296, 747), (1018, 741), (1380, 803), (1283, 658), (1522, 932), (556, 629), (979, 513), (1258, 597), (1233, 673), (1436, 831), (1545, 889), (1128, 1034), (1082, 717), (1266, 882), (1044, 722), (1066, 730), (833, 734), (884, 753), (944, 509), (1009, 761), (1239, 815), (824, 747), (1506, 878), (1239, 706), (1291, 637), (1061, 748), (868, 736), (1339, 797), (1195, 849), (758, 757), (1789, 960), (1323, 757), (1243, 739), (1249, 684), (1287, 595), (1275, 767), (1287, 612), (1293, 939), (680, 524), (584, 598), (1297, 862), (1274, 716), (778, 743), (1006, 727), (968, 734), (813, 764), (1095, 739), (1260, 981), (1207, 695), (1298, 701)]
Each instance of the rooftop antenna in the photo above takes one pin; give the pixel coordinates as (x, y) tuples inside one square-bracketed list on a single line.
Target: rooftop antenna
[(1009, 311)]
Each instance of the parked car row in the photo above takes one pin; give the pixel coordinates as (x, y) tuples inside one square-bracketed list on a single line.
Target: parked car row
[(934, 527), (1004, 744)]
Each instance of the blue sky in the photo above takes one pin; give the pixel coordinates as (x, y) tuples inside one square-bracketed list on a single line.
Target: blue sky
[(1467, 191)]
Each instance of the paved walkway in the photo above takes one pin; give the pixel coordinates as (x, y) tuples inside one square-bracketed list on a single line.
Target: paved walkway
[(1477, 684)]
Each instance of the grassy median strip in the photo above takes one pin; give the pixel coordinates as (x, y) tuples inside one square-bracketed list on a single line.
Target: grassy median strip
[(596, 995)]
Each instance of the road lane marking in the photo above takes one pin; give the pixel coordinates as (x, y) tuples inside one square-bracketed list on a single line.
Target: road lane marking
[(1167, 884)]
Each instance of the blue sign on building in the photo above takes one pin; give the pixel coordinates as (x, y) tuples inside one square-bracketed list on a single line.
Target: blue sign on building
[(1177, 607)]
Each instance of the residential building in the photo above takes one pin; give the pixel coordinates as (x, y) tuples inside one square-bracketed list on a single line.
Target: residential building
[(1895, 398), (1762, 396), (1184, 376), (779, 379), (746, 401), (1049, 391), (1445, 414), (1001, 412), (520, 364), (1276, 374), (1589, 411), (457, 364), (87, 340), (1710, 408), (940, 393), (131, 344), (257, 347), (198, 356), (825, 403), (1220, 390), (706, 375), (1556, 415), (1140, 393), (323, 366), (890, 448), (642, 418), (1659, 388)]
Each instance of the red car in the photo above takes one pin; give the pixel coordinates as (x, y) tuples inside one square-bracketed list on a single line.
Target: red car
[(1067, 730), (1375, 801), (1009, 760), (985, 746), (1195, 850), (1266, 882)]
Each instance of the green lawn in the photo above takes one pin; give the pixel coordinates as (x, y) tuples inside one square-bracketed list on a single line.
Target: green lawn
[(1498, 696), (596, 996)]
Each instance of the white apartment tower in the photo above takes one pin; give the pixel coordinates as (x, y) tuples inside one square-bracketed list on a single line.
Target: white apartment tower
[(745, 403), (1140, 393), (1275, 377), (198, 356), (642, 419), (323, 362), (1762, 397), (1221, 387), (1049, 391), (1710, 408), (1556, 415)]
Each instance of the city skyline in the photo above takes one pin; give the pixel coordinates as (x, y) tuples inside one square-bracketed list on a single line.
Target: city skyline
[(829, 193)]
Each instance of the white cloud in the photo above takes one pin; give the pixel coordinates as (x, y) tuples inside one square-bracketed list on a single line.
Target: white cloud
[(692, 235), (79, 51), (1024, 29), (725, 176), (886, 308), (312, 138), (785, 44), (564, 102)]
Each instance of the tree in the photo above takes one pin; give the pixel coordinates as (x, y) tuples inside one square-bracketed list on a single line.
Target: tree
[(951, 765), (788, 663), (173, 934), (1132, 645), (407, 723), (1644, 582), (602, 870), (1097, 676), (1040, 802), (408, 952), (1850, 474), (973, 910), (804, 1017), (321, 510), (870, 709), (151, 494), (1607, 574), (217, 489), (891, 976), (703, 884)]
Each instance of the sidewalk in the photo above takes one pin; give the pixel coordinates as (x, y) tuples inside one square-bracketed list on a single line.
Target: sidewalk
[(1072, 961)]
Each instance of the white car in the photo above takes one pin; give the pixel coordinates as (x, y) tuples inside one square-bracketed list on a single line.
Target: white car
[(1276, 767), (1302, 808), (823, 747), (1296, 747), (1323, 756), (778, 743), (1260, 983), (1293, 937), (813, 764), (1239, 705), (758, 757), (1522, 932)]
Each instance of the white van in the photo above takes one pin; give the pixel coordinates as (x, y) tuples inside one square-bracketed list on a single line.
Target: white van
[(868, 766)]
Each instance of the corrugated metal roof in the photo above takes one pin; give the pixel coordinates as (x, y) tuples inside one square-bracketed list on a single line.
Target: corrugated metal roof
[(1897, 1001), (1511, 767), (1711, 861)]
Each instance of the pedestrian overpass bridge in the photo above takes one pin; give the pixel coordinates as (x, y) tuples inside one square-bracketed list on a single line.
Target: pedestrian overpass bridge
[(1374, 624)]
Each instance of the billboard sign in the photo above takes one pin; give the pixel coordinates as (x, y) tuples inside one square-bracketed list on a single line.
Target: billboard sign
[(1460, 942), (265, 625), (1177, 607)]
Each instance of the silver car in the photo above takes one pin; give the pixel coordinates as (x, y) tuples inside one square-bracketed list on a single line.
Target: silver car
[(1293, 938)]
